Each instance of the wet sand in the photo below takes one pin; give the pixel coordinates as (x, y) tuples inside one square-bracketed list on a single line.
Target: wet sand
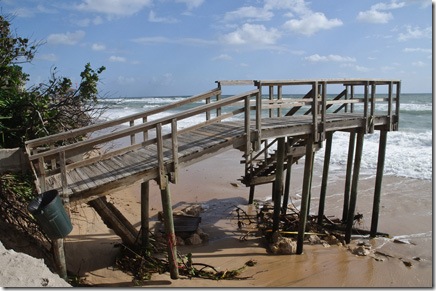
[(406, 213)]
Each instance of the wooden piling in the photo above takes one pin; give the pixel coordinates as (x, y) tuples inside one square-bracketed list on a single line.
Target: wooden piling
[(59, 257), (305, 195), (287, 183), (251, 195), (351, 145), (278, 183), (353, 196), (325, 174), (378, 182), (145, 214), (169, 229)]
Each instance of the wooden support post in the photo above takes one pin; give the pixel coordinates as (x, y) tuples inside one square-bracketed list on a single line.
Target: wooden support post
[(287, 184), (353, 196), (278, 183), (115, 220), (169, 229), (351, 145), (59, 257), (251, 196), (305, 195), (325, 174), (378, 182), (145, 214)]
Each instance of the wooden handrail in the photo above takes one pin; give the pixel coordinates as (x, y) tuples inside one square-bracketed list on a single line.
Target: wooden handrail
[(317, 98), (98, 126), (89, 143)]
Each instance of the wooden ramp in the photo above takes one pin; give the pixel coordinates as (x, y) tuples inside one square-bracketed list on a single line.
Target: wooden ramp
[(144, 146)]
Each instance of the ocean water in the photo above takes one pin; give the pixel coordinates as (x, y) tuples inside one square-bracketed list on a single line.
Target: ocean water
[(408, 152)]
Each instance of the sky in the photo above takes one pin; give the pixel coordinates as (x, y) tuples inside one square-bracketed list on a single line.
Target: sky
[(181, 47)]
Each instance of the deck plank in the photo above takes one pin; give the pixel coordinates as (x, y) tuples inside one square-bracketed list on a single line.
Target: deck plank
[(191, 144)]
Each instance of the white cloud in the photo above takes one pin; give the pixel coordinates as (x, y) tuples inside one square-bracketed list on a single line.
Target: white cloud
[(191, 4), (153, 18), (222, 57), (297, 6), (329, 58), (374, 16), (117, 59), (309, 24), (48, 57), (114, 7), (422, 50), (356, 67), (161, 39), (122, 80), (98, 47), (166, 79), (68, 38), (152, 40), (249, 12), (415, 33), (388, 6), (419, 64), (252, 34)]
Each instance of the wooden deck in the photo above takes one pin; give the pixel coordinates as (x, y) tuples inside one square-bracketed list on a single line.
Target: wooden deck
[(151, 147), (153, 153)]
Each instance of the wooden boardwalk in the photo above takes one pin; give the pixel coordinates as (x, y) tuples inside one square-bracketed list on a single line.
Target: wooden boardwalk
[(155, 148)]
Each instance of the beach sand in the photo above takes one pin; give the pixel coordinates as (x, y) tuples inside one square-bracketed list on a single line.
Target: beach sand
[(406, 210)]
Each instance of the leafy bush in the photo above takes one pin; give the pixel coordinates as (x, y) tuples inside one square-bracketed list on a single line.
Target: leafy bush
[(43, 109)]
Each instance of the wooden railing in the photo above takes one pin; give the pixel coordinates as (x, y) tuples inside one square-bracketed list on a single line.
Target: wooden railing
[(345, 101), (62, 152), (49, 155)]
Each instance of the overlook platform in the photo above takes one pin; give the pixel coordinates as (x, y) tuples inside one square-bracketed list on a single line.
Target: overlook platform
[(255, 122)]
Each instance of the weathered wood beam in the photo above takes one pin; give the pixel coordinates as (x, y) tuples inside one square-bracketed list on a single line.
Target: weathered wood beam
[(353, 194), (115, 220), (169, 229), (351, 146), (305, 195), (145, 214), (378, 182), (278, 183), (325, 175)]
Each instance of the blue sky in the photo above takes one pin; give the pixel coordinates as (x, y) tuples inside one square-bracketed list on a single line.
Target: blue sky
[(181, 47)]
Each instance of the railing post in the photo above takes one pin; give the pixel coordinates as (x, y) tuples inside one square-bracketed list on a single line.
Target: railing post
[(271, 98), (323, 109), (175, 151), (372, 109), (258, 119), (365, 106), (351, 98), (397, 106), (248, 148), (145, 132), (208, 111), (279, 97), (159, 143), (132, 137), (315, 110), (390, 118), (218, 98), (64, 182), (42, 175)]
